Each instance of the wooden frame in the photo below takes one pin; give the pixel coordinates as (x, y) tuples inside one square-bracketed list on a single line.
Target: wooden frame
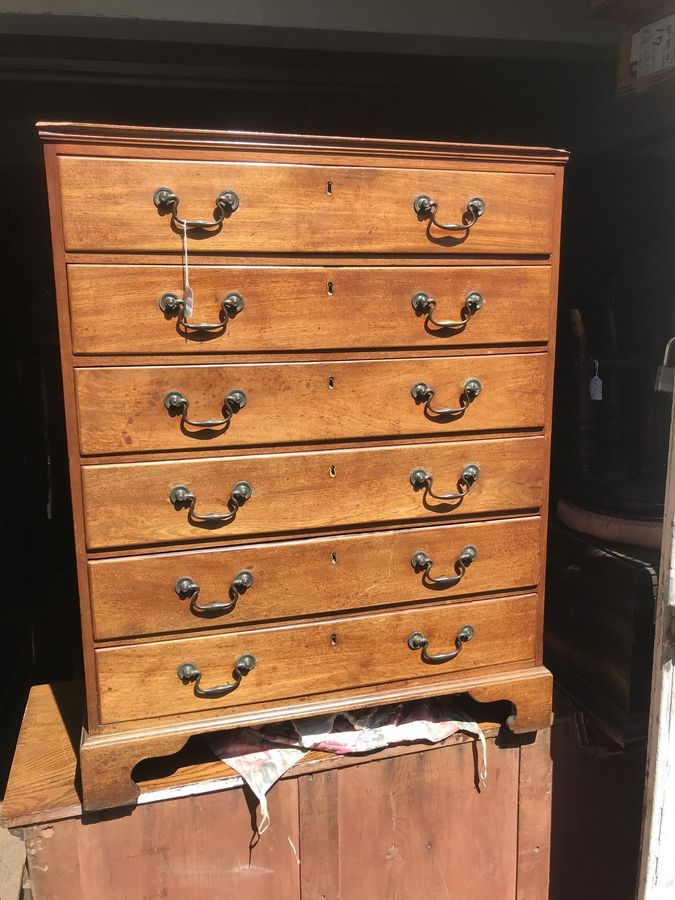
[(657, 865)]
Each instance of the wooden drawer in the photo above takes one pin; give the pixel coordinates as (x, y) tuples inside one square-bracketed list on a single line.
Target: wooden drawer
[(122, 409), (141, 681), (115, 309), (129, 504), (138, 595), (107, 205)]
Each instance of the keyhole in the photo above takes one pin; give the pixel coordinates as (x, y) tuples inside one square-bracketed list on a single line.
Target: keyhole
[(329, 187), (331, 471), (331, 382), (333, 639), (333, 558), (329, 288)]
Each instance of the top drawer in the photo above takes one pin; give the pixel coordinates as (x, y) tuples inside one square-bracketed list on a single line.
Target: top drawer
[(107, 205)]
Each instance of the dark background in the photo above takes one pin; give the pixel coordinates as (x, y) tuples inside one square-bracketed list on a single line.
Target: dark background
[(618, 232)]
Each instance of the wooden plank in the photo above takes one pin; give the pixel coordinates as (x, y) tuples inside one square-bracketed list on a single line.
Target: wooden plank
[(534, 818), (197, 848), (419, 827), (595, 828), (42, 776), (319, 810), (657, 866)]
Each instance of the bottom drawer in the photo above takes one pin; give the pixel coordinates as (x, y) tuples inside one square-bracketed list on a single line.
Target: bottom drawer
[(143, 681)]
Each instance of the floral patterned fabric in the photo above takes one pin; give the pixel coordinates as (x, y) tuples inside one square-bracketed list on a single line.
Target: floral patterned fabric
[(262, 756)]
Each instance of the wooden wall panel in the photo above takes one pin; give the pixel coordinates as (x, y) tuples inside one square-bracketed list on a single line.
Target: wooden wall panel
[(405, 827), (418, 827), (534, 817), (195, 848)]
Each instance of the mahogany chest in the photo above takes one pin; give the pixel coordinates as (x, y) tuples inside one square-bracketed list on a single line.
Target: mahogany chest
[(308, 389)]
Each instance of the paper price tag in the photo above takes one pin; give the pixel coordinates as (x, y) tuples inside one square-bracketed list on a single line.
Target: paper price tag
[(595, 385), (188, 296), (596, 388)]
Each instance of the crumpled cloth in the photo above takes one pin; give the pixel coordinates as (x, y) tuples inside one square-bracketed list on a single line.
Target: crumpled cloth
[(261, 756)]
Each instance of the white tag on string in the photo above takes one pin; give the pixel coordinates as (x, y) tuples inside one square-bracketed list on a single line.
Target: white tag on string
[(595, 385), (188, 298)]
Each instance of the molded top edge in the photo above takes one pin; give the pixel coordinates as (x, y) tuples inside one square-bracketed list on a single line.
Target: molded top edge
[(73, 132)]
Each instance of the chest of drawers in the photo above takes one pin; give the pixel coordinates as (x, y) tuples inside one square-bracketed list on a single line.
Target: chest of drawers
[(324, 486)]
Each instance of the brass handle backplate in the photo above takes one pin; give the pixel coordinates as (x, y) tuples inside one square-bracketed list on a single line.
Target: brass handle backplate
[(419, 641)]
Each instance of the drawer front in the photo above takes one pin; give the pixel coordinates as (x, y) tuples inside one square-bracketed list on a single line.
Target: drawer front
[(148, 595), (115, 309), (142, 681), (130, 504), (107, 204), (124, 409)]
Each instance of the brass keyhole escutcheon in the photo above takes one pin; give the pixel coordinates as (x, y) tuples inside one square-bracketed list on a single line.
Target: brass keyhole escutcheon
[(331, 471)]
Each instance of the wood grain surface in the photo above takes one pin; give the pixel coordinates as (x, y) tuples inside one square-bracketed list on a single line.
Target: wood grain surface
[(137, 595), (121, 409), (196, 848), (327, 251), (44, 782), (115, 309), (108, 205), (425, 831), (129, 505), (141, 681)]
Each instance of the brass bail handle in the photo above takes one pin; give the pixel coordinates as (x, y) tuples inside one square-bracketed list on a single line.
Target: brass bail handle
[(421, 392), (423, 480), (181, 496), (166, 202), (425, 305), (177, 403), (426, 208), (422, 562), (419, 641), (187, 587), (173, 305), (190, 673)]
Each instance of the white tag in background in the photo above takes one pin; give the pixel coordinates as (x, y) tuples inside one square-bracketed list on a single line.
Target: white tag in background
[(188, 297), (595, 385)]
